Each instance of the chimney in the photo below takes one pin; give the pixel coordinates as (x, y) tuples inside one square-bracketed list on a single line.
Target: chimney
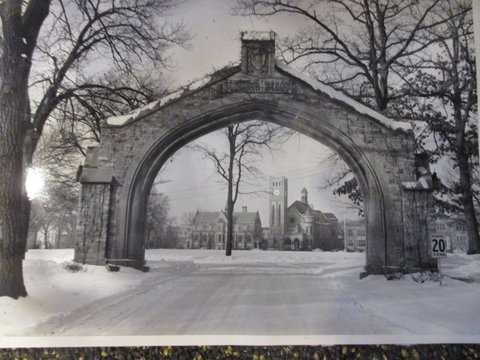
[(244, 209)]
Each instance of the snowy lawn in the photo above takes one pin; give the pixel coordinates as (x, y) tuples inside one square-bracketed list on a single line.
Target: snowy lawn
[(53, 290), (252, 292)]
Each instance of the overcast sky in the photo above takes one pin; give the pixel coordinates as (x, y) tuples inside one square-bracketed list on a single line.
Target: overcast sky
[(216, 35), (192, 181)]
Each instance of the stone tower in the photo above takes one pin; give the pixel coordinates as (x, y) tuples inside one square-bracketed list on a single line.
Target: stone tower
[(304, 197), (278, 206)]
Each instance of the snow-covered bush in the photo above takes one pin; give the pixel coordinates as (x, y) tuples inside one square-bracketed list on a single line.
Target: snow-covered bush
[(73, 267)]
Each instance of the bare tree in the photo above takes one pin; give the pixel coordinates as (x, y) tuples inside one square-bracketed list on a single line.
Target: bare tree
[(340, 173), (353, 45), (78, 118), (361, 47), (237, 163), (64, 36), (442, 92), (54, 210), (158, 222)]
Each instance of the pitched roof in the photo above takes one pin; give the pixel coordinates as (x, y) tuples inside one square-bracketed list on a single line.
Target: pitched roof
[(359, 222), (320, 216), (210, 217), (207, 217), (300, 206), (303, 208), (245, 217), (330, 216)]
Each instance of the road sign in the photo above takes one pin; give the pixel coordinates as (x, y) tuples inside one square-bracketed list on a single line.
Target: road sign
[(438, 246)]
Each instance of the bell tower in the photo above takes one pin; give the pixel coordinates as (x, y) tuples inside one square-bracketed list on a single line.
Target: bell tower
[(278, 206), (304, 196)]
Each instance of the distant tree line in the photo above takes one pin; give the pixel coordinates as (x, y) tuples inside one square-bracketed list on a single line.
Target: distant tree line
[(160, 229)]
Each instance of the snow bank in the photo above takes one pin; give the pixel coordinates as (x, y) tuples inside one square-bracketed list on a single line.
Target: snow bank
[(462, 266), (55, 255), (53, 290), (337, 95)]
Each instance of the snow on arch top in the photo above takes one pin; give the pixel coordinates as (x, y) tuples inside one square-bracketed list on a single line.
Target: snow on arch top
[(121, 120), (338, 95), (258, 35), (314, 84)]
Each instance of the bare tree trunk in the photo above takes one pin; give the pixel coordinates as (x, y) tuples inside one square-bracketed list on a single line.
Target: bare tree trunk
[(468, 207), (45, 238), (35, 238), (21, 24), (11, 277), (231, 141), (14, 204), (57, 237), (148, 245)]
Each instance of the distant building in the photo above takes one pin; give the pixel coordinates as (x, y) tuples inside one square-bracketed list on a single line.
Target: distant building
[(355, 236), (453, 229), (209, 230), (266, 235), (299, 226), (183, 236)]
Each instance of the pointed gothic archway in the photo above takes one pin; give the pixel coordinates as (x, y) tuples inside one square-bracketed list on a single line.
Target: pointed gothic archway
[(117, 176)]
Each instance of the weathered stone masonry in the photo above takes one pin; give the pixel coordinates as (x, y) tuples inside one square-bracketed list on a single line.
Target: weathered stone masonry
[(117, 177)]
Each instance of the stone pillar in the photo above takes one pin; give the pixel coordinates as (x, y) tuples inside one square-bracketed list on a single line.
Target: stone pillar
[(94, 213), (417, 202)]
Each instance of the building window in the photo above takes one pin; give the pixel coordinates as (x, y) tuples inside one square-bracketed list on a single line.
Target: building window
[(279, 214)]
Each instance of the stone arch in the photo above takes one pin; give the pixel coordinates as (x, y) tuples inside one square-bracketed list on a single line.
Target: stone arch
[(141, 178), (117, 177)]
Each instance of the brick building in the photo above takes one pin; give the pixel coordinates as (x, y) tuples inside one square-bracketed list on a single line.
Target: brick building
[(209, 230), (355, 235), (453, 229), (299, 226)]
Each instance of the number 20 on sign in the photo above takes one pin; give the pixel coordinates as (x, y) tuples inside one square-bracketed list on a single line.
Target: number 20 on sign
[(438, 246)]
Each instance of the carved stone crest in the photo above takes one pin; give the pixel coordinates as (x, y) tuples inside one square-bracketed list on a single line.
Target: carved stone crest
[(258, 52), (257, 61)]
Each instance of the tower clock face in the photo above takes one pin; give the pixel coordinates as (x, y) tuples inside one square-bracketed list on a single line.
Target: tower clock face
[(276, 192)]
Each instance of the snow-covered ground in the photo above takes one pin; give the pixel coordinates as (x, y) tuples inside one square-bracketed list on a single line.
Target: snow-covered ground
[(253, 292)]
